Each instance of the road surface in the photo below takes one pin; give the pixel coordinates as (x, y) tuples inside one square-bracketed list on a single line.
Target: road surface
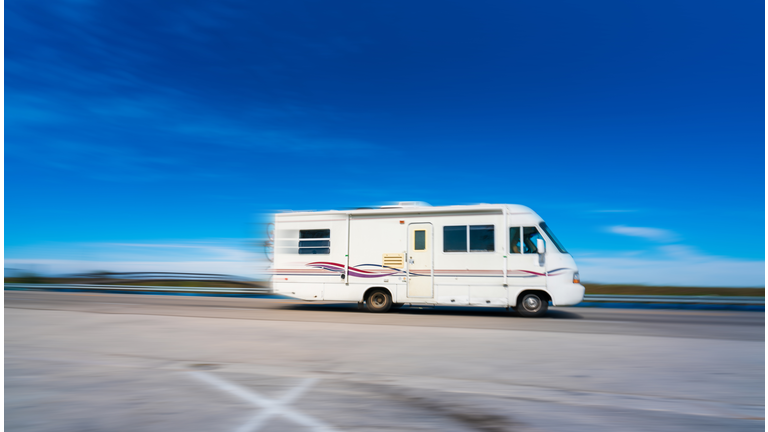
[(87, 361)]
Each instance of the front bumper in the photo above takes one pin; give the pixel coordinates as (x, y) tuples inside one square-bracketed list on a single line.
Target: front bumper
[(569, 296)]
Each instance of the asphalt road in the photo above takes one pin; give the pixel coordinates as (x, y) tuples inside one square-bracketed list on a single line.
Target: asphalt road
[(90, 361)]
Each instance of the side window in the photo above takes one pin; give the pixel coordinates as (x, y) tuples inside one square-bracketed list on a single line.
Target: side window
[(481, 238), (530, 235), (314, 242), (514, 240), (455, 239)]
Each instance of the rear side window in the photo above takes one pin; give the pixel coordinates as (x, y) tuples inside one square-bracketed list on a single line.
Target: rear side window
[(472, 238), (313, 242), (315, 234)]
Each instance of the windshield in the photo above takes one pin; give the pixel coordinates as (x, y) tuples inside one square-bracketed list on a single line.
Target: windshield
[(552, 237)]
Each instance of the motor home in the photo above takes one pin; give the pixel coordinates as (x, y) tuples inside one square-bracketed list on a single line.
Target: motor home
[(497, 255)]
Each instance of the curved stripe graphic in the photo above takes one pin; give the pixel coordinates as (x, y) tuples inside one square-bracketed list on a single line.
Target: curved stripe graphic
[(383, 271), (353, 271)]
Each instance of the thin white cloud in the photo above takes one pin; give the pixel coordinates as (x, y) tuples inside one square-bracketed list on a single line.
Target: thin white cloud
[(670, 265), (151, 245), (240, 255), (209, 249), (655, 234)]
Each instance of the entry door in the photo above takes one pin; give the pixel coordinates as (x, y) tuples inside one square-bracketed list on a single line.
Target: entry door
[(420, 260)]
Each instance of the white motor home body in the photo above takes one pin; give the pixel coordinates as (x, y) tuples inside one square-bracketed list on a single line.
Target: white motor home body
[(478, 255)]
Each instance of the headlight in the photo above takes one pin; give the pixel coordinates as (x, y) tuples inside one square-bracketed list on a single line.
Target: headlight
[(576, 278)]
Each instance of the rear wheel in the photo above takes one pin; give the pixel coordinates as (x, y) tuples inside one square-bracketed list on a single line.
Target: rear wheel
[(378, 301), (532, 305)]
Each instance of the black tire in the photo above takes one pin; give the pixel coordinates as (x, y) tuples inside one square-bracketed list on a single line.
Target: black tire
[(378, 301), (532, 305)]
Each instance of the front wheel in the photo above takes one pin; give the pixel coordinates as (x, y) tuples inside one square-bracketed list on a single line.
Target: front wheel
[(378, 301), (532, 305)]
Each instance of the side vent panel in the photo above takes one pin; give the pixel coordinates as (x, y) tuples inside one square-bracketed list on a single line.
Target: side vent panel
[(393, 260)]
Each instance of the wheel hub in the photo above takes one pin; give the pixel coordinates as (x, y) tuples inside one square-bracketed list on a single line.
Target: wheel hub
[(531, 303)]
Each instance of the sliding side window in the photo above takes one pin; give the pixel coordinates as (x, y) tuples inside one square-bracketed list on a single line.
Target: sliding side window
[(314, 242), (455, 239), (479, 238)]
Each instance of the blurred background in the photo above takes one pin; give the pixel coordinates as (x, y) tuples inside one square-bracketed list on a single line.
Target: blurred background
[(148, 143), (158, 138)]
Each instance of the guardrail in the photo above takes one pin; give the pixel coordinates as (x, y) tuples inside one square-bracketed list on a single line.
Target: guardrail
[(105, 276), (597, 298), (140, 288), (722, 300)]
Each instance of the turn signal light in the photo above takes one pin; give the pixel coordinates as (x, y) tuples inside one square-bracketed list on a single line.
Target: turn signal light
[(576, 278)]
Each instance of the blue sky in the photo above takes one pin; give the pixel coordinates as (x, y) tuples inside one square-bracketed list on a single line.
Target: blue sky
[(146, 137)]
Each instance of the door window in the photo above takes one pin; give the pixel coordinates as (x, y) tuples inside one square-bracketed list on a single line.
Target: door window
[(530, 236), (419, 240)]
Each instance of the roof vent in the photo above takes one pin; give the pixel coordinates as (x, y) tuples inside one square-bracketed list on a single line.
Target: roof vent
[(404, 204)]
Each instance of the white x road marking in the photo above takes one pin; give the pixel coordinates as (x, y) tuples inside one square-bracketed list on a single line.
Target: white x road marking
[(271, 407)]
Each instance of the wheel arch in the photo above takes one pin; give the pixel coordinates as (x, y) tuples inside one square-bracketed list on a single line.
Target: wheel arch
[(377, 287), (546, 296)]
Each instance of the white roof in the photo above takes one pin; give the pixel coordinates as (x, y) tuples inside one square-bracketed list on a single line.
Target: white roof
[(420, 209)]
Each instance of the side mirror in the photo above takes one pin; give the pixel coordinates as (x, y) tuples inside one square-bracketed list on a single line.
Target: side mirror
[(540, 246)]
